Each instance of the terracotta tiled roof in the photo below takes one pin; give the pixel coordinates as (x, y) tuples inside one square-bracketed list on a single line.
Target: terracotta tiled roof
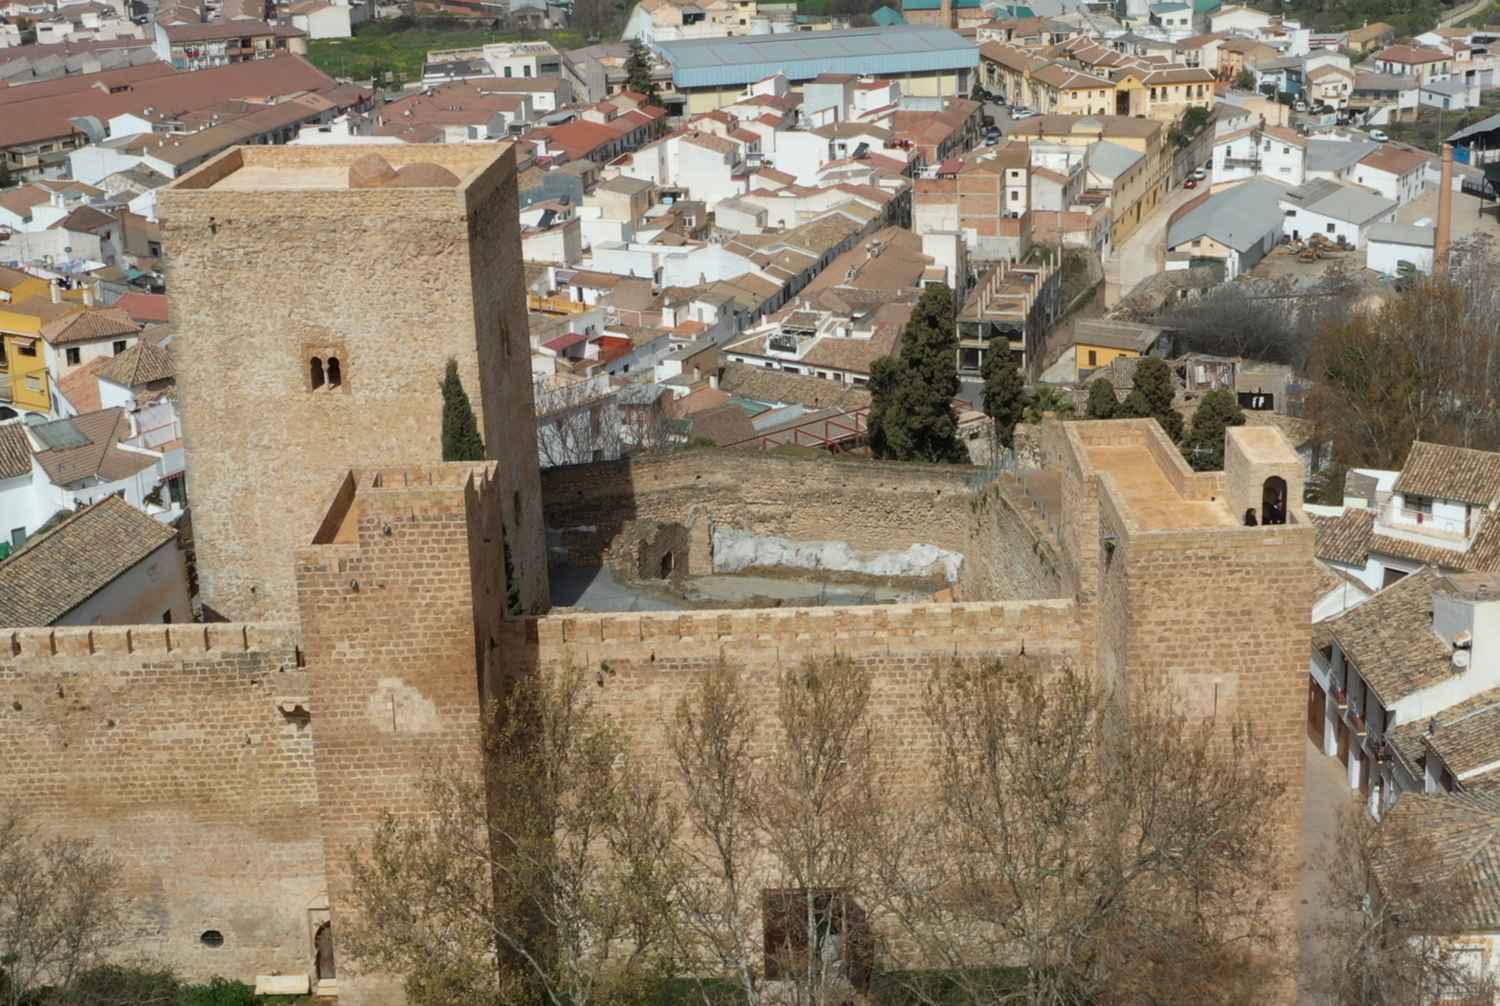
[(141, 364), (745, 381), (1396, 160), (1466, 736), (1390, 639), (60, 569), (86, 326), (84, 219), (81, 387), (1410, 54), (1345, 538), (145, 308), (1453, 837), (15, 451), (98, 455), (1452, 473), (723, 424)]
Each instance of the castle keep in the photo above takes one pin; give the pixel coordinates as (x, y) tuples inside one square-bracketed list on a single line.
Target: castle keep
[(231, 765)]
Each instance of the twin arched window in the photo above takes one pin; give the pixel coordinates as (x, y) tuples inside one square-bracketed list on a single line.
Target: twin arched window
[(325, 372)]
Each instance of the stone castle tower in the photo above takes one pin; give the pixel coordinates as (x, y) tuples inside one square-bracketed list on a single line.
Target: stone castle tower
[(314, 322)]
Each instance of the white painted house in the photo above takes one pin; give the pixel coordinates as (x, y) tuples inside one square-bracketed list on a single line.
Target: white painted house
[(1388, 245), (1340, 213)]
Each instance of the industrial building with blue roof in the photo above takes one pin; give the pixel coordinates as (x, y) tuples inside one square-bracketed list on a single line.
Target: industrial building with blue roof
[(936, 60)]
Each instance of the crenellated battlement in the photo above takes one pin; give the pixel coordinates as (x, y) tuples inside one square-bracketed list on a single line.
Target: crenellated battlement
[(149, 640), (964, 627)]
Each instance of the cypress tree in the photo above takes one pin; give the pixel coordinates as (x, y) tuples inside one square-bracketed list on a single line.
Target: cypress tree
[(1102, 401), (1151, 394), (461, 440), (911, 394), (1204, 444), (1004, 394)]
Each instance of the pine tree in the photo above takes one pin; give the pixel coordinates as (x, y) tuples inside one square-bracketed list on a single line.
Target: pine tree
[(1151, 395), (638, 71), (1102, 401), (461, 440), (1004, 394), (1204, 444), (911, 394)]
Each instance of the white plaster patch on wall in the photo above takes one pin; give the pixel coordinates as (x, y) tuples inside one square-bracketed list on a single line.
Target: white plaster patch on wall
[(738, 550), (396, 707)]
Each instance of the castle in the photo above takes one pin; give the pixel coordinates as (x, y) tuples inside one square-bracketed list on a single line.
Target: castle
[(230, 765)]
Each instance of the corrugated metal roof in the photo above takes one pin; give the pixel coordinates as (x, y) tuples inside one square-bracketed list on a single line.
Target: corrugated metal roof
[(1239, 218), (744, 59)]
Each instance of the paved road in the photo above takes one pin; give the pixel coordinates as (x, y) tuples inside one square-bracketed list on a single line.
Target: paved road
[(1142, 254)]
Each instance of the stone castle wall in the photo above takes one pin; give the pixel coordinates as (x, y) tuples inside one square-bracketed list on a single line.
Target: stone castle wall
[(186, 752), (401, 598), (1008, 558), (874, 506), (393, 282)]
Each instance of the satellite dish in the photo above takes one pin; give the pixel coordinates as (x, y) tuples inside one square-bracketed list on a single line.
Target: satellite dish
[(1460, 660)]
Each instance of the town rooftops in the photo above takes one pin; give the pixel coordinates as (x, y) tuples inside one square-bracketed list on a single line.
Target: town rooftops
[(209, 31), (144, 308), (1410, 54), (1448, 838), (90, 325), (141, 364), (744, 59), (1103, 126), (1394, 160), (87, 446), (1115, 334), (1466, 736), (15, 451), (1349, 203), (1452, 87), (1390, 640), (60, 568), (1450, 473), (36, 112), (1236, 218), (1335, 155), (1402, 234)]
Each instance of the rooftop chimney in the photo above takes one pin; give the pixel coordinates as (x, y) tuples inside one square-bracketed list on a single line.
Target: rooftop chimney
[(56, 293), (1445, 215), (945, 13)]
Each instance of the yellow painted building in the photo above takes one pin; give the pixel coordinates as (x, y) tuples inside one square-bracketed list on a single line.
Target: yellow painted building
[(1099, 342), (25, 306)]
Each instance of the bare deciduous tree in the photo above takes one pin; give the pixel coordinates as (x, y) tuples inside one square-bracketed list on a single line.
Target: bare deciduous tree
[(593, 421), (61, 909), (712, 736), (1385, 909), (1069, 856), (546, 876), (820, 808)]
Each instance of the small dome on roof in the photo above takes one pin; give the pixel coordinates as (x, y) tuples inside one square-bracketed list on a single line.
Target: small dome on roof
[(371, 172), (423, 175)]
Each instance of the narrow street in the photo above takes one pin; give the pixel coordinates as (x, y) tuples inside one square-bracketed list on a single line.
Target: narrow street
[(1143, 253)]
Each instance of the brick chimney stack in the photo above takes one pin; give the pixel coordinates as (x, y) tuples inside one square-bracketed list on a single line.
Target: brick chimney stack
[(945, 14), (1444, 236)]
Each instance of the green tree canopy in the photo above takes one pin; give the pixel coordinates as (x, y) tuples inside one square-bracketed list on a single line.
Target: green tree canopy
[(1204, 444), (1004, 394), (911, 394), (461, 440), (638, 71), (1102, 401), (1151, 394)]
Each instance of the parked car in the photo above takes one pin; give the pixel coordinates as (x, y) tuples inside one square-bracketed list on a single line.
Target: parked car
[(1190, 183), (1378, 135), (1198, 175), (1022, 113)]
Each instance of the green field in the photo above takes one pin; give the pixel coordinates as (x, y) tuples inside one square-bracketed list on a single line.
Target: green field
[(391, 46)]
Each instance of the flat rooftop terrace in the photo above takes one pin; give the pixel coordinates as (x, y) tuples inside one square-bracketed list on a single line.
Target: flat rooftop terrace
[(1153, 500), (265, 177)]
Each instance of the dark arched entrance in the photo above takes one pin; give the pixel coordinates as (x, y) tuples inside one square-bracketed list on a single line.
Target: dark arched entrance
[(1273, 501), (323, 948)]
